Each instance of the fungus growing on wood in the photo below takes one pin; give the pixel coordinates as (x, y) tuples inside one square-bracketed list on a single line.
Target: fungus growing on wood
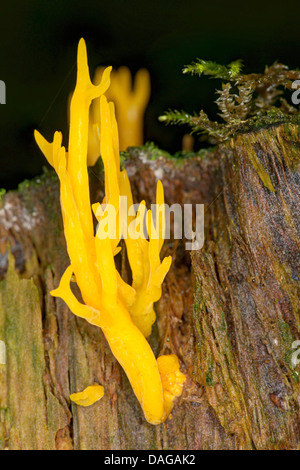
[(124, 312), (130, 101)]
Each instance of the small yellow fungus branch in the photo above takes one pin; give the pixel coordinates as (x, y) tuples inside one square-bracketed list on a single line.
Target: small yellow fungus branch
[(148, 272), (124, 312), (130, 102), (88, 396), (172, 379)]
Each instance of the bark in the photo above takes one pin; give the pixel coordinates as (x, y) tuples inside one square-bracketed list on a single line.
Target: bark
[(230, 311), (247, 291)]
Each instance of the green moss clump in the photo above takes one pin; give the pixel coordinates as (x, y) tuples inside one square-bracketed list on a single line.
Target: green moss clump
[(2, 193), (153, 152), (246, 101), (209, 380)]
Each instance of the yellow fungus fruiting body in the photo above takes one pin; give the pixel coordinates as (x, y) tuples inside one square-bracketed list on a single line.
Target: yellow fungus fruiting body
[(130, 101), (88, 396), (172, 379), (124, 312)]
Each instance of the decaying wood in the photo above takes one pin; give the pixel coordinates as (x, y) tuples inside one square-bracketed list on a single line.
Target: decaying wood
[(247, 291), (231, 314)]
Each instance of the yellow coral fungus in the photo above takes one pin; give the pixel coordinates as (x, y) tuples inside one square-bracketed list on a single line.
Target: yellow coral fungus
[(88, 396), (124, 312), (130, 102)]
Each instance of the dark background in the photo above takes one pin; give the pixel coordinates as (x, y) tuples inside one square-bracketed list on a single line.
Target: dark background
[(38, 42)]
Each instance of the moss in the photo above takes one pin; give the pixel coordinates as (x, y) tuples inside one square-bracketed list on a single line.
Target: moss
[(28, 188), (153, 152), (46, 176), (211, 376), (223, 324), (285, 332), (182, 156), (150, 149), (2, 193), (246, 102), (208, 379), (208, 67)]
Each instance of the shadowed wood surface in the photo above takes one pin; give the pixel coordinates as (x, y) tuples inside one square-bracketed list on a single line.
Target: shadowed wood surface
[(230, 311)]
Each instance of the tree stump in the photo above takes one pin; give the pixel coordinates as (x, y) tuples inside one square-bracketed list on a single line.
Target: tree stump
[(230, 311)]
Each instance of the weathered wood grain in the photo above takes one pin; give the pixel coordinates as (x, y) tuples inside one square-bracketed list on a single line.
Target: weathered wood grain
[(230, 315)]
